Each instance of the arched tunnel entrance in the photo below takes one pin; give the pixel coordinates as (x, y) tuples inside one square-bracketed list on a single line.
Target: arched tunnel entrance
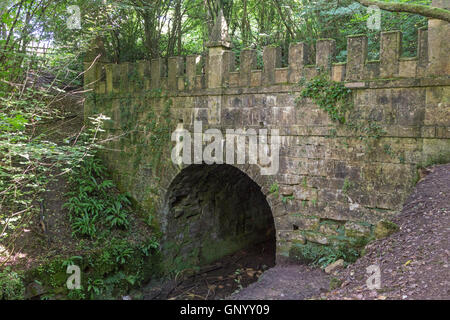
[(216, 214)]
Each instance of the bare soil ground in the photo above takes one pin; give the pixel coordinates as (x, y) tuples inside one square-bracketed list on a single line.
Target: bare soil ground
[(414, 261), (289, 282), (248, 274)]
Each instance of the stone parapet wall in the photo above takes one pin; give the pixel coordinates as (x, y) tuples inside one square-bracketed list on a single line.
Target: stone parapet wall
[(217, 68)]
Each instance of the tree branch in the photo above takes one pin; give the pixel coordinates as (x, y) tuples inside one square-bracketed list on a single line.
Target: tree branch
[(426, 11)]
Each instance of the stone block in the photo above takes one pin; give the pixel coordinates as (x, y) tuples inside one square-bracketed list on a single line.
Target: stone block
[(438, 44), (437, 110), (338, 72), (220, 63), (302, 193), (192, 64), (247, 64), (255, 78), (271, 60), (281, 75), (329, 229), (303, 222), (316, 237), (409, 106), (356, 230), (124, 75), (176, 69), (298, 58), (339, 264), (325, 53), (385, 228), (390, 51), (422, 52), (407, 68), (234, 79), (372, 70), (297, 237), (356, 57), (157, 70)]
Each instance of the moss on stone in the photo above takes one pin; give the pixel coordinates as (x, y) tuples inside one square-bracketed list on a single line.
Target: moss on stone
[(385, 228), (335, 283)]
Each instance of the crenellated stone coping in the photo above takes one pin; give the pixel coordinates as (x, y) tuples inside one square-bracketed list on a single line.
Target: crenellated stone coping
[(216, 69), (107, 87)]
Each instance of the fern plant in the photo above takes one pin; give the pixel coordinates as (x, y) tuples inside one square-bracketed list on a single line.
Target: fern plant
[(93, 202), (117, 216), (84, 225)]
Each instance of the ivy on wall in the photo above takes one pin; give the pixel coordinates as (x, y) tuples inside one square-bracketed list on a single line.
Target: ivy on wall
[(336, 100), (332, 97)]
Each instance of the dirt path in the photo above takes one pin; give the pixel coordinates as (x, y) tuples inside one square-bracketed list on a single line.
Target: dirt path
[(414, 261), (291, 282)]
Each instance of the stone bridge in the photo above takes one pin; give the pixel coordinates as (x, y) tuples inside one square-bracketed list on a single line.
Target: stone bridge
[(333, 184)]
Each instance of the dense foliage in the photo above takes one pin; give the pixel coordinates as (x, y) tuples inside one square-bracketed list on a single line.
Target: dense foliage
[(93, 201), (137, 29), (11, 285), (34, 87), (330, 96)]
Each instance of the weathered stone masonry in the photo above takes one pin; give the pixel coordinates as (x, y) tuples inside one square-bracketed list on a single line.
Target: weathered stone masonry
[(330, 186)]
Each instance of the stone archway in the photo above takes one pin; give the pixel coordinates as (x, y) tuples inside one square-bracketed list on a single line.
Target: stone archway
[(212, 211)]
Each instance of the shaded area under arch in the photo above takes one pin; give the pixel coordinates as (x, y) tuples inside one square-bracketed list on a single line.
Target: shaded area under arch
[(212, 211)]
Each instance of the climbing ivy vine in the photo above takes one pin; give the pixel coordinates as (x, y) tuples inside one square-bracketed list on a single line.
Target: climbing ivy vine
[(331, 96), (336, 100)]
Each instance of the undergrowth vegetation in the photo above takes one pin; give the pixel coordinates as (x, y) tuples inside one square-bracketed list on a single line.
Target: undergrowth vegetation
[(109, 269), (112, 258), (93, 203), (29, 159), (11, 285), (37, 156), (320, 255)]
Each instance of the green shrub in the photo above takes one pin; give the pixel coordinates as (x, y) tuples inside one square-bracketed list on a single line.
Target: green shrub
[(320, 255), (108, 271), (11, 286), (336, 100), (332, 97)]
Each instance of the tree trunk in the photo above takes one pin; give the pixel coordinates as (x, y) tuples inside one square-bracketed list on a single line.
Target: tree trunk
[(426, 11)]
